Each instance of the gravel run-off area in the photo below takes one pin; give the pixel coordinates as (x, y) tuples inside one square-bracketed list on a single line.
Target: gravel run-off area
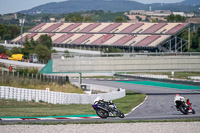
[(158, 127)]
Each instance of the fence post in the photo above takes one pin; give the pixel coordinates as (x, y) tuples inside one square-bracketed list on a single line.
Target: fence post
[(2, 77), (27, 75), (32, 78), (23, 79), (18, 79), (36, 77), (13, 75), (44, 78)]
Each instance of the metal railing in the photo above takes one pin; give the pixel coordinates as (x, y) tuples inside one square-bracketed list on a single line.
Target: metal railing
[(72, 55), (23, 79)]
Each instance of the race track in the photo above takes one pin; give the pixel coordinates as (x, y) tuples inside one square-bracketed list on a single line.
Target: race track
[(158, 105)]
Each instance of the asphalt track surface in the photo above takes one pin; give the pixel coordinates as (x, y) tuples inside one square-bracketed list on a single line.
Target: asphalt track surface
[(159, 104)]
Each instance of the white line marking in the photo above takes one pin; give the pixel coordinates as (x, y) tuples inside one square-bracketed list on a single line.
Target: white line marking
[(137, 106), (8, 119)]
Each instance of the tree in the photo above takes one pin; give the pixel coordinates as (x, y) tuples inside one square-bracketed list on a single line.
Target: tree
[(28, 48), (74, 17), (196, 39), (88, 19), (13, 31), (176, 18), (8, 52), (45, 40), (2, 31), (16, 50), (112, 50), (44, 54), (139, 18), (2, 49), (9, 32), (120, 19)]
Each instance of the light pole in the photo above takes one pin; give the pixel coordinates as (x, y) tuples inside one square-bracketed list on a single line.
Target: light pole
[(21, 22)]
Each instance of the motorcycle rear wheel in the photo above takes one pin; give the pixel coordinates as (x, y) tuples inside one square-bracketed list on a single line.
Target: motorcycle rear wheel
[(101, 113), (183, 110), (193, 111)]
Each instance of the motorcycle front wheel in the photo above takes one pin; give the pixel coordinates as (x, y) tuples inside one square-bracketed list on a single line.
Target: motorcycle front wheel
[(120, 114), (101, 113)]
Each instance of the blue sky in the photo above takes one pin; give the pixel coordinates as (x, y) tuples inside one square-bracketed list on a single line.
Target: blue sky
[(10, 6)]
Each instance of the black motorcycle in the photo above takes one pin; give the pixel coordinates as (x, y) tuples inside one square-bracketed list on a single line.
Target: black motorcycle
[(107, 109), (185, 107)]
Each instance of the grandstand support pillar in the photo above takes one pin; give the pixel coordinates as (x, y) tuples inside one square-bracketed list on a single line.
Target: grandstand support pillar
[(132, 49), (175, 44), (80, 79), (170, 45), (181, 45), (189, 38)]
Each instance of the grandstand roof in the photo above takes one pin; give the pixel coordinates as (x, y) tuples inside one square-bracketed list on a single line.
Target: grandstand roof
[(107, 34)]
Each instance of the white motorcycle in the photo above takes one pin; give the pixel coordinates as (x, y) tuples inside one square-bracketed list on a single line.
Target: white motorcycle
[(183, 105)]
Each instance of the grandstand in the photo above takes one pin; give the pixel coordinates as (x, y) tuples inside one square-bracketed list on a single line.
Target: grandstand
[(160, 37)]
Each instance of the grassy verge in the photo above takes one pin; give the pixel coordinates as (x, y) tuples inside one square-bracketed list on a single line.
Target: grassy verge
[(40, 83), (131, 100), (66, 88), (178, 75), (31, 109)]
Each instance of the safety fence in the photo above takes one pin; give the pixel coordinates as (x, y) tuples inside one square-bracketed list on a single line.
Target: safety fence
[(23, 79), (150, 76), (21, 94), (194, 77)]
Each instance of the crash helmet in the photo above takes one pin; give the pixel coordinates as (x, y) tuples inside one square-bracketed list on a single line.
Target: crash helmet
[(98, 99)]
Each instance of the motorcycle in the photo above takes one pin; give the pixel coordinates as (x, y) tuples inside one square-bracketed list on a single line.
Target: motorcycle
[(184, 107), (107, 109)]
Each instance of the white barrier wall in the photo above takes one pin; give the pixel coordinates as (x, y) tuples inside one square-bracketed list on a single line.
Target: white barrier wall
[(21, 94), (150, 76), (127, 64)]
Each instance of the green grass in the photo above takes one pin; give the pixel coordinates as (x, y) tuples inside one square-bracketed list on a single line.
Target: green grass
[(178, 75), (33, 109), (131, 100), (8, 79)]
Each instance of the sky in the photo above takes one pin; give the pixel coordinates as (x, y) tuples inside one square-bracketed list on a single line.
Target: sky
[(11, 6)]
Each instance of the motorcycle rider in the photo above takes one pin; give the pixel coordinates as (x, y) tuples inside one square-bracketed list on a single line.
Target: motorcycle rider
[(106, 109), (108, 103), (181, 98), (98, 99)]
